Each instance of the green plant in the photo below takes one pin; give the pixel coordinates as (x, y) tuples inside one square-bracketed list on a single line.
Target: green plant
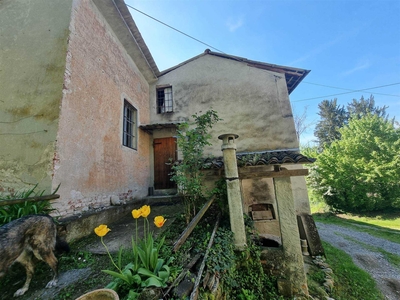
[(12, 212), (187, 173), (78, 260), (146, 269), (221, 257), (221, 193), (361, 171), (241, 272)]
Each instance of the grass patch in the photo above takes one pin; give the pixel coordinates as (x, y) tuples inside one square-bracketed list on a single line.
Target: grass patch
[(351, 283)]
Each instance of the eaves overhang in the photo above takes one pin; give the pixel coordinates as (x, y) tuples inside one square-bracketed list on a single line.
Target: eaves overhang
[(149, 128), (119, 18)]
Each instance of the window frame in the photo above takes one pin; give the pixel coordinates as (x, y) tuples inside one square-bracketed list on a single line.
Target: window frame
[(165, 99), (130, 126)]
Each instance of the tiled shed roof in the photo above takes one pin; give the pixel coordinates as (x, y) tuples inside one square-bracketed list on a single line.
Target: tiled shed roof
[(261, 158)]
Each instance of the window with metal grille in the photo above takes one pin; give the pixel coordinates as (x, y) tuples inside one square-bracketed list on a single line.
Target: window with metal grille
[(164, 100), (129, 138)]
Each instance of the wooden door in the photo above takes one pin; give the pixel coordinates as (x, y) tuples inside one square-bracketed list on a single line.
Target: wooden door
[(164, 151)]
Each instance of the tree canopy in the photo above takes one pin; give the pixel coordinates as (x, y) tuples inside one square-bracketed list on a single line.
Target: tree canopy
[(333, 117), (361, 170)]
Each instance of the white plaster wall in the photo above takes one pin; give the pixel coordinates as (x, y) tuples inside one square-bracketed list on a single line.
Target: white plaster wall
[(253, 103)]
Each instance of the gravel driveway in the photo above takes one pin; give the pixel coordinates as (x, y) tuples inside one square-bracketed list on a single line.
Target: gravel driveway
[(354, 243)]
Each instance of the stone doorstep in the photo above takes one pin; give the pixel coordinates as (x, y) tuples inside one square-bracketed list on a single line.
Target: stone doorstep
[(82, 225)]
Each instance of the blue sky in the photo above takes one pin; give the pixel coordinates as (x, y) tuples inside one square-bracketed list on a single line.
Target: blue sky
[(348, 45)]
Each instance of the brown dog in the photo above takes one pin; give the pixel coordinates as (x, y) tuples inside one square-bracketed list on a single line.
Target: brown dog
[(23, 239)]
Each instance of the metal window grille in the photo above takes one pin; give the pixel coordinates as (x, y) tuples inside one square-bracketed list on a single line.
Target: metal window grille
[(164, 100), (130, 126)]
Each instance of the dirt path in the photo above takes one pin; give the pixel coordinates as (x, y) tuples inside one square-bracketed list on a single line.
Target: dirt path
[(362, 247)]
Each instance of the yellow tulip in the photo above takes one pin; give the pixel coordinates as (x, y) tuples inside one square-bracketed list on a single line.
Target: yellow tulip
[(159, 221), (102, 230), (136, 213), (145, 211)]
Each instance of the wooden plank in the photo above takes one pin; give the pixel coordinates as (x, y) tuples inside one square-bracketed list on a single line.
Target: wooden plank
[(183, 273), (192, 224), (194, 294), (247, 173), (30, 199)]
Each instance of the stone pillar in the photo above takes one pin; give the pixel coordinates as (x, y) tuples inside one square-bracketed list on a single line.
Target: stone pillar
[(293, 257), (233, 188)]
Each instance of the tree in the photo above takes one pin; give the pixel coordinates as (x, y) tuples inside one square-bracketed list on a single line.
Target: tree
[(333, 117), (300, 123), (362, 107), (361, 171), (187, 173)]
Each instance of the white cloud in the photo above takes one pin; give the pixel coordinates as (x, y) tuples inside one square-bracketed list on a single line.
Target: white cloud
[(358, 67), (234, 24)]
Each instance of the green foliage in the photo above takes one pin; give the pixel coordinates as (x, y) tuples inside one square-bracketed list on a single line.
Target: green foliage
[(77, 260), (363, 107), (244, 277), (191, 142), (309, 151), (12, 212), (361, 172), (221, 257), (334, 117), (146, 268), (221, 193)]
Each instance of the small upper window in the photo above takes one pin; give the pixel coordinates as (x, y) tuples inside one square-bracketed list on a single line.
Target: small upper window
[(129, 138), (164, 100)]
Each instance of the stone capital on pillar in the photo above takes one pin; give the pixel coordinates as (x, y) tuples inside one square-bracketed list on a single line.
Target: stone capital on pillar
[(228, 141)]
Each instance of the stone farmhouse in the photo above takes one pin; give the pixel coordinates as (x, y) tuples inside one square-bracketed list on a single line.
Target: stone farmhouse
[(84, 106)]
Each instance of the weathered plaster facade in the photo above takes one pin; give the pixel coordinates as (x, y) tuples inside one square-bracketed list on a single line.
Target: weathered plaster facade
[(99, 76), (33, 39), (253, 103), (265, 120), (66, 69)]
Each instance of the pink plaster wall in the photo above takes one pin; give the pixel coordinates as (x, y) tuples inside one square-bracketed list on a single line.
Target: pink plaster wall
[(90, 162)]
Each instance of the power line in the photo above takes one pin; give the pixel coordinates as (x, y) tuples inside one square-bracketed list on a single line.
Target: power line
[(197, 40), (335, 87), (353, 91), (181, 32)]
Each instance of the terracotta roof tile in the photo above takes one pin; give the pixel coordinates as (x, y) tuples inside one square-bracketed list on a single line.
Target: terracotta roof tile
[(261, 158)]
